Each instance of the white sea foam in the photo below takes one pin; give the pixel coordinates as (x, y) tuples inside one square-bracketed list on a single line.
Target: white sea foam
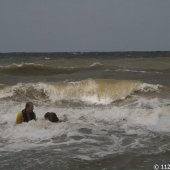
[(47, 58), (96, 64), (91, 124), (128, 70), (136, 71), (97, 120), (87, 91), (18, 65)]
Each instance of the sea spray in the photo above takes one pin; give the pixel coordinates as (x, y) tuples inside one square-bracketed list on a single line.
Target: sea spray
[(90, 91)]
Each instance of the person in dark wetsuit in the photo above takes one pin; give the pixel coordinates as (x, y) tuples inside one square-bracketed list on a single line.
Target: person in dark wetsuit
[(52, 117), (27, 114)]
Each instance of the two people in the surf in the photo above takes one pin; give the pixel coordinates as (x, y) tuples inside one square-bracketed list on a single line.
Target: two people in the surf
[(28, 114)]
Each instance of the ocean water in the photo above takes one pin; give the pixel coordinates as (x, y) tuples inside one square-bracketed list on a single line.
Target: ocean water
[(117, 107)]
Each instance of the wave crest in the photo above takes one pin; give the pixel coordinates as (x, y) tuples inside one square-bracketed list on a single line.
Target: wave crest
[(32, 69), (88, 91)]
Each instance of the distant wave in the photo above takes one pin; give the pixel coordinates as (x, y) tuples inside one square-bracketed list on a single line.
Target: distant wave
[(32, 69), (136, 71), (96, 64), (90, 91)]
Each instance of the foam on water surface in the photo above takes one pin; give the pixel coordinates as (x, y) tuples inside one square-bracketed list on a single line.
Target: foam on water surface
[(95, 126), (90, 91)]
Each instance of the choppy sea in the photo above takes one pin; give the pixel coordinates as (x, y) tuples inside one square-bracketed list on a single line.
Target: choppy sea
[(117, 107)]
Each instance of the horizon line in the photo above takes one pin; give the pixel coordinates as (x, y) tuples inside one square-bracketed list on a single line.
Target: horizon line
[(86, 51)]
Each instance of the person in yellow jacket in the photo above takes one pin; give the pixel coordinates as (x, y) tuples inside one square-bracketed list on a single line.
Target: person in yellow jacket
[(27, 114)]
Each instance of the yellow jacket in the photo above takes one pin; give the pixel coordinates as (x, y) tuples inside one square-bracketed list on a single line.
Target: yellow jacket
[(20, 118)]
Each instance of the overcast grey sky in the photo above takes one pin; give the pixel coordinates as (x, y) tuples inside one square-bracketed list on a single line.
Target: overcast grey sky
[(84, 25)]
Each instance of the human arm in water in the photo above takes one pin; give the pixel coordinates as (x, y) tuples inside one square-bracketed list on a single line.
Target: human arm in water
[(63, 119)]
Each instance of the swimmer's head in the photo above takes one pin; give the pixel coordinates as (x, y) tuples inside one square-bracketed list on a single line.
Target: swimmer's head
[(29, 107), (51, 116)]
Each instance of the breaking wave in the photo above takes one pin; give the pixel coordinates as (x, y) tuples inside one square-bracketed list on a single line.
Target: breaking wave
[(32, 69), (90, 91), (137, 71)]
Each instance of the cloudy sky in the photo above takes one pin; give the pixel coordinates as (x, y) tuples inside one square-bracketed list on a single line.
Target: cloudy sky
[(84, 25)]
